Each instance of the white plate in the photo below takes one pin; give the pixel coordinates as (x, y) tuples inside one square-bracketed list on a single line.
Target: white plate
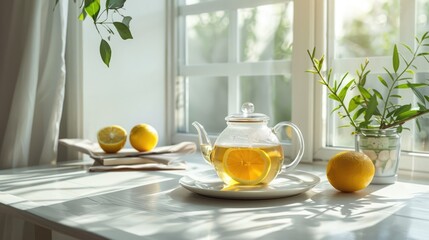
[(286, 184)]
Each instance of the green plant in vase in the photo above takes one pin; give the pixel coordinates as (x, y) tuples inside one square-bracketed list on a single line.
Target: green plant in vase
[(378, 119)]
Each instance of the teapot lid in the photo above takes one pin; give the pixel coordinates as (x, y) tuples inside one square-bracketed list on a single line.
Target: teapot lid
[(247, 115)]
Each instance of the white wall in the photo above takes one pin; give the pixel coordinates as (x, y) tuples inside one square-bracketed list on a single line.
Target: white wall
[(133, 89)]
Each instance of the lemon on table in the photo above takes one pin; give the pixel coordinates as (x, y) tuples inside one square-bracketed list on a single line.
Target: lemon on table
[(246, 166), (350, 171), (143, 137), (112, 138)]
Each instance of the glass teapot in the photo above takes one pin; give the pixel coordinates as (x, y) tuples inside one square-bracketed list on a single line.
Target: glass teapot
[(248, 152)]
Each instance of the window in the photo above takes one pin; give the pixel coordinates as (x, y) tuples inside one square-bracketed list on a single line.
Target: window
[(369, 29), (233, 52), (230, 52)]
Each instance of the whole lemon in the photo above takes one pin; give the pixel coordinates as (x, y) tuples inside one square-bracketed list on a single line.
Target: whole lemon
[(350, 171), (143, 137), (112, 138)]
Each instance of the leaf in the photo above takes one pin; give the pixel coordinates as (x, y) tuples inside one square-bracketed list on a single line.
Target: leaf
[(381, 79), (397, 96), (421, 107), (123, 30), (126, 20), (313, 53), (423, 54), (344, 90), (378, 94), (407, 47), (390, 113), (92, 8), (402, 109), (82, 15), (329, 74), (410, 71), (334, 97), (105, 52), (404, 78), (411, 85), (342, 79), (363, 78), (364, 124), (335, 87), (406, 115), (395, 59), (418, 94), (399, 129), (115, 4), (418, 125), (372, 108), (320, 65), (309, 71), (358, 113), (390, 74), (427, 98), (335, 109), (364, 92), (354, 103)]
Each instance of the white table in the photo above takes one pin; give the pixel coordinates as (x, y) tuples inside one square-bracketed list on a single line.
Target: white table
[(152, 205)]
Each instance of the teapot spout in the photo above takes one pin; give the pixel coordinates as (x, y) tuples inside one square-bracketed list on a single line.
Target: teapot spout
[(205, 144)]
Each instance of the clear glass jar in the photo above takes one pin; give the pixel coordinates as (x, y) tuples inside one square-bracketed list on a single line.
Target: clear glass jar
[(383, 146)]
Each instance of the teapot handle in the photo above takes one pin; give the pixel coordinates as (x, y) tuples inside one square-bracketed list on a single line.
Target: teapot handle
[(298, 157)]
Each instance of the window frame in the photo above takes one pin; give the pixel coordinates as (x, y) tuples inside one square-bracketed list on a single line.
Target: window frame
[(412, 161)]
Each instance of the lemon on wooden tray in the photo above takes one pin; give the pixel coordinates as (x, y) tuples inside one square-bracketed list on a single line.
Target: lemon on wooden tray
[(112, 138), (350, 171), (143, 137), (246, 166)]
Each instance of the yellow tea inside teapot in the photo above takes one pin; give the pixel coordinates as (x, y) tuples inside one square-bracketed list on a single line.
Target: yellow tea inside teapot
[(247, 165), (248, 152)]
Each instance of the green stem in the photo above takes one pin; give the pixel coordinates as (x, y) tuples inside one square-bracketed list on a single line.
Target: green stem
[(319, 73), (394, 84), (386, 126)]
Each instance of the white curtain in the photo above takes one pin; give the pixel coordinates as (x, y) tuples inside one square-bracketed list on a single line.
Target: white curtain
[(35, 37), (32, 81)]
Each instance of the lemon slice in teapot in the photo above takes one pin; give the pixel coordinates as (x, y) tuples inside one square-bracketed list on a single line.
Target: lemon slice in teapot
[(246, 165)]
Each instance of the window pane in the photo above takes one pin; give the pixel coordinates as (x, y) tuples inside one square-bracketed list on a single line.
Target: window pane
[(202, 99), (207, 37), (422, 18), (266, 32), (366, 27), (271, 95)]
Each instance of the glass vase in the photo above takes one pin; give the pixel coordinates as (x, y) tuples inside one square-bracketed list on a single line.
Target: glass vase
[(384, 149)]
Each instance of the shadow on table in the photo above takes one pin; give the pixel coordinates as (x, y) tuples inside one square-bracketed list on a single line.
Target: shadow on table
[(314, 214)]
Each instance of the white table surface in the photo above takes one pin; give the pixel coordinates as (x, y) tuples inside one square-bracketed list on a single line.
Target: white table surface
[(152, 205)]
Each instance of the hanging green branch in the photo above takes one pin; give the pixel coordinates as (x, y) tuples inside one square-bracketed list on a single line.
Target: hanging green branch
[(105, 21)]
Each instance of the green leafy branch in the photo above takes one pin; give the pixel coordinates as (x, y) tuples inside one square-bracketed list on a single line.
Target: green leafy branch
[(363, 109), (105, 21)]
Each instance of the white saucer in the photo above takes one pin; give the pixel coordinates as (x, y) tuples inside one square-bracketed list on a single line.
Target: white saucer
[(286, 184)]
